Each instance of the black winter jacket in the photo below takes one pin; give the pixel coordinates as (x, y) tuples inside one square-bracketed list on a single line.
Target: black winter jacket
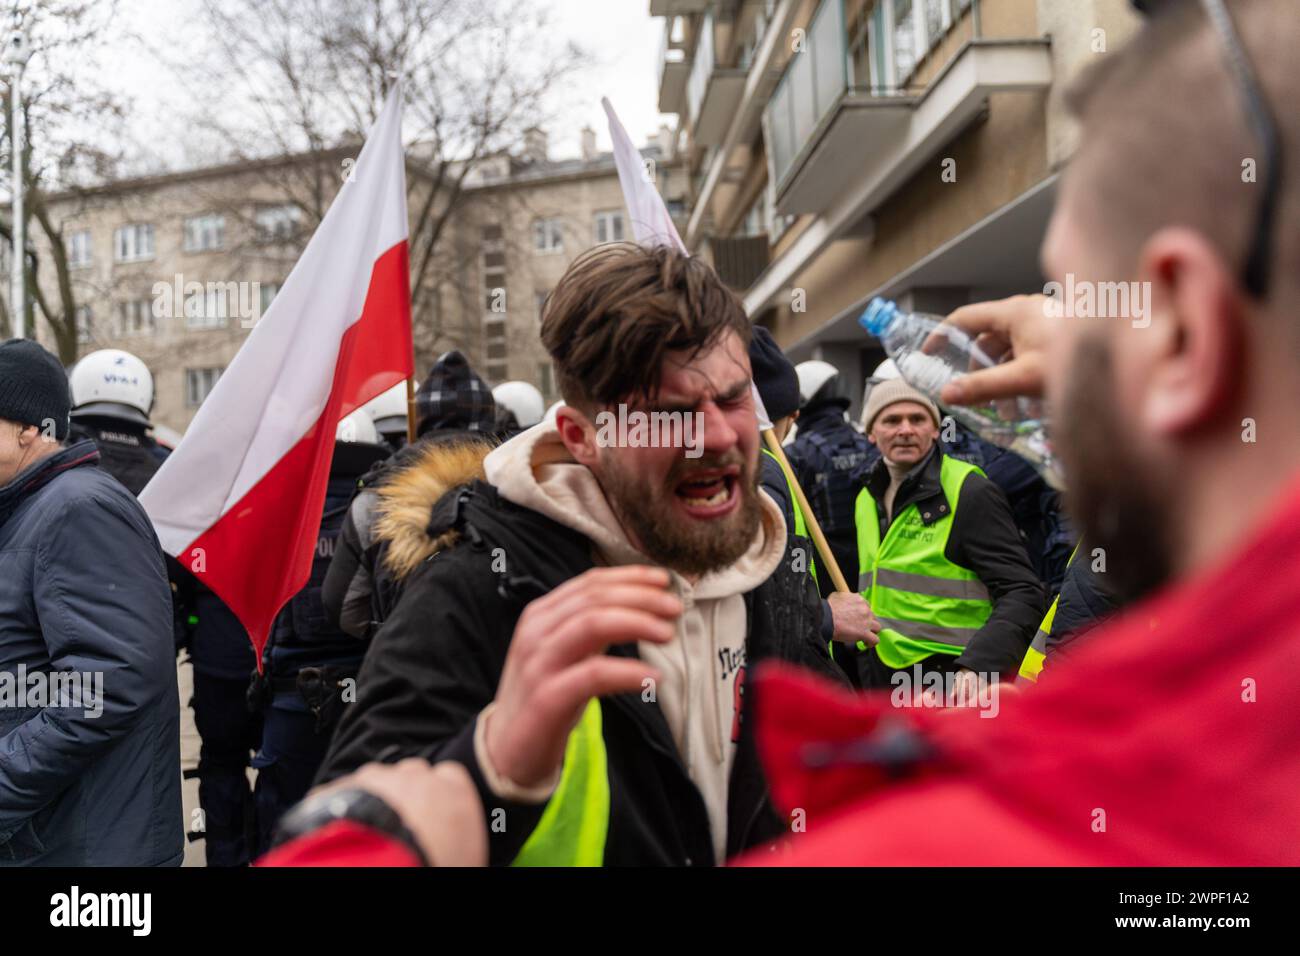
[(358, 592), (436, 662)]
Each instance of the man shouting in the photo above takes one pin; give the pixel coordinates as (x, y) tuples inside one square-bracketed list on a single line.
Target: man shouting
[(576, 629)]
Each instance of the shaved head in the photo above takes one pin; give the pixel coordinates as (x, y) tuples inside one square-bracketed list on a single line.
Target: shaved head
[(1166, 140)]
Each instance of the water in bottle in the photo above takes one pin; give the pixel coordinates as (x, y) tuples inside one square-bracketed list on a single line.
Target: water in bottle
[(930, 354)]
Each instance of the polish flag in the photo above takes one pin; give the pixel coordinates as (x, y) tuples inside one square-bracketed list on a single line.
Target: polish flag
[(239, 502), (651, 223)]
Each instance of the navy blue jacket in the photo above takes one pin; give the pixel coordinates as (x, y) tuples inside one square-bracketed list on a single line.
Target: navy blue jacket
[(83, 591), (827, 456)]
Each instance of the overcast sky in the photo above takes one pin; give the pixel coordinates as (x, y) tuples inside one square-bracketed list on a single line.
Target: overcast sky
[(620, 35)]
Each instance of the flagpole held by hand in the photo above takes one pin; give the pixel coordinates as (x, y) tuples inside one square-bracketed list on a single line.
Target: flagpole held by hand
[(819, 539)]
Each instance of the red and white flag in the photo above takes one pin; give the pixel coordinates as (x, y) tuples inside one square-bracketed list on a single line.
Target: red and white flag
[(239, 502), (651, 222)]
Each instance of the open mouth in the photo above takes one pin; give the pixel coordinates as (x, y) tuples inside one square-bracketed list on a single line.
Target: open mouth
[(709, 493)]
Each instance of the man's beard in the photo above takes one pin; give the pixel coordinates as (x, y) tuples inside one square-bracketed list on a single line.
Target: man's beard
[(686, 545), (1109, 495)]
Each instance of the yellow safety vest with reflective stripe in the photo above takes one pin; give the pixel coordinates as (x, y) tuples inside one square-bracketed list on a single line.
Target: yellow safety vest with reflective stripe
[(926, 603), (575, 823), (1032, 665), (800, 522)]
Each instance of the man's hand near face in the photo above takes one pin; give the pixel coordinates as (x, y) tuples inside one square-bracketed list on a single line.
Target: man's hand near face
[(557, 663), (853, 619)]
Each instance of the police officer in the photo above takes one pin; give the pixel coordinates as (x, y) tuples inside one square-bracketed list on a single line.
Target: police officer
[(112, 395), (519, 406), (826, 453), (311, 665), (388, 413)]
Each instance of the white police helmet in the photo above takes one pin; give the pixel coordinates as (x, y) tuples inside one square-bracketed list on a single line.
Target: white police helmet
[(388, 410), (812, 376), (357, 428), (523, 399), (112, 383)]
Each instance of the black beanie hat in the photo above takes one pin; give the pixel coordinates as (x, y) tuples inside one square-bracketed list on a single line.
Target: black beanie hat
[(454, 396), (774, 375), (33, 387)]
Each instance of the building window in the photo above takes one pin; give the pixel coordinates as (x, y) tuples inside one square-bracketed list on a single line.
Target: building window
[(205, 233), (207, 309), (548, 236), (492, 260), (546, 375), (84, 319), (136, 318), (609, 227), (267, 291), (199, 383), (78, 249), (495, 349), (904, 41), (133, 243), (277, 223)]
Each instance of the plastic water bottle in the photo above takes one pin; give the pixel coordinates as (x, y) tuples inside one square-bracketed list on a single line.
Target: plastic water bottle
[(1017, 424)]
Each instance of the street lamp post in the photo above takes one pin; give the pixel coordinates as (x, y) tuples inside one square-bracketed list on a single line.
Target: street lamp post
[(16, 54)]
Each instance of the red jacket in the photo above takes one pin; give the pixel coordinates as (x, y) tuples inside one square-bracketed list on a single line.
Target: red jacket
[(1176, 728)]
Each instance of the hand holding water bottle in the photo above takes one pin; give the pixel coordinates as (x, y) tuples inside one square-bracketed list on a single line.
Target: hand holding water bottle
[(944, 357), (1014, 333)]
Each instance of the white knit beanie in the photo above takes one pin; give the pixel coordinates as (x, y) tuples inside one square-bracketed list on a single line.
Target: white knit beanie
[(891, 392)]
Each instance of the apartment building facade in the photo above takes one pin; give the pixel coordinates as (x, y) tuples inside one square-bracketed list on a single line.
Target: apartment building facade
[(178, 268), (523, 219), (842, 149)]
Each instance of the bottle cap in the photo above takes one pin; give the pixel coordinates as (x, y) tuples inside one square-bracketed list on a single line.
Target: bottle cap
[(879, 315)]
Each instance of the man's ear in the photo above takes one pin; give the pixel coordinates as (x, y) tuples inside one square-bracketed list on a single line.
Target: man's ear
[(578, 434), (1191, 340)]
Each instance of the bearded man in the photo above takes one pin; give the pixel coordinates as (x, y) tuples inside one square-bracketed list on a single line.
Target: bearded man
[(575, 629)]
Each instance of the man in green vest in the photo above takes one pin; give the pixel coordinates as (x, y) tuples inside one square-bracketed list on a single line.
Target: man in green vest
[(940, 560)]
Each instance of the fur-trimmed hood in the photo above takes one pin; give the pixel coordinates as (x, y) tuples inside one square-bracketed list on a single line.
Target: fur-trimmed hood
[(407, 497)]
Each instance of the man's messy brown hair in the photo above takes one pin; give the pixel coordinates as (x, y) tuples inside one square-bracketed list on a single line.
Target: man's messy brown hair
[(619, 308)]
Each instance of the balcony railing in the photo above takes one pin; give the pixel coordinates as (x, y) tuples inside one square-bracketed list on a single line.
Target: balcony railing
[(817, 76), (701, 69)]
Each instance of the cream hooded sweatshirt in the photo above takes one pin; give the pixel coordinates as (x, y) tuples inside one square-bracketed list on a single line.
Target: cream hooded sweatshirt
[(702, 667)]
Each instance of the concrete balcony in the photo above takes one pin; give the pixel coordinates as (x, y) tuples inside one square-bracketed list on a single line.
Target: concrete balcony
[(864, 144), (712, 92), (674, 69)]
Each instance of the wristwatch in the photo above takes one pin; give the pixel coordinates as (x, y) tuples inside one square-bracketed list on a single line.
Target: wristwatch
[(349, 803)]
